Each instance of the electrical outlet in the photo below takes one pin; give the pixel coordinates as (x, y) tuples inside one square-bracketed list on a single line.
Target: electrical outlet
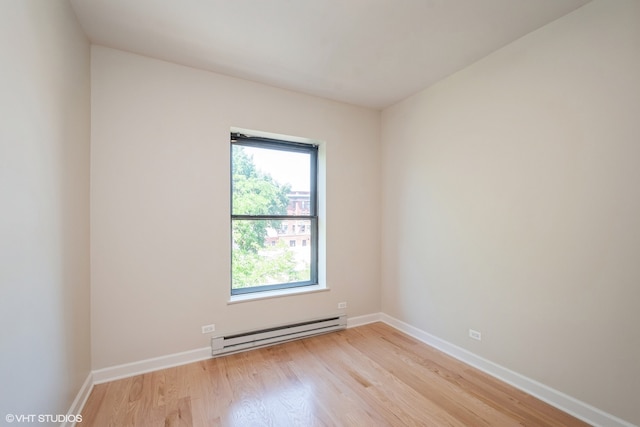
[(208, 328), (342, 305), (475, 335)]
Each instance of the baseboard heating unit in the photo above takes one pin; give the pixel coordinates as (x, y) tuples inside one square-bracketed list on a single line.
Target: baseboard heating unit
[(262, 337)]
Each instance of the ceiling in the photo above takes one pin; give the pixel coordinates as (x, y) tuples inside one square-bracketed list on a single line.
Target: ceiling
[(372, 53)]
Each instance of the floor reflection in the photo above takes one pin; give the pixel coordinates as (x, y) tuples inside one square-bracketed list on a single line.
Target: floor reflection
[(291, 405)]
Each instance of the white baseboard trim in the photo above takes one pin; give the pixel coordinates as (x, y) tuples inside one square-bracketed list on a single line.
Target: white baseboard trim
[(79, 401), (564, 402), (352, 322), (148, 365)]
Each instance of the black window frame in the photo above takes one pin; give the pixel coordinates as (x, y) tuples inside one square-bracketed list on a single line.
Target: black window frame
[(283, 145)]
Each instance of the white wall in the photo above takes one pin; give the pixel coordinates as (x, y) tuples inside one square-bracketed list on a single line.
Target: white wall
[(511, 205), (44, 207), (160, 204)]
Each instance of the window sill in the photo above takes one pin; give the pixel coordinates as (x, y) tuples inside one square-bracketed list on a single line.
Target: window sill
[(234, 299)]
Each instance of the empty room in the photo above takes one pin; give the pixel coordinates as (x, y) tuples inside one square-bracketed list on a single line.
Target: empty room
[(320, 212)]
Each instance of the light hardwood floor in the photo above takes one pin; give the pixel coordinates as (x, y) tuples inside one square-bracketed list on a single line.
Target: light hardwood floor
[(372, 375)]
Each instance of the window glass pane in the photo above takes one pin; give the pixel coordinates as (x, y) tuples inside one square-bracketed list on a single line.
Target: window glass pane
[(270, 182), (269, 252)]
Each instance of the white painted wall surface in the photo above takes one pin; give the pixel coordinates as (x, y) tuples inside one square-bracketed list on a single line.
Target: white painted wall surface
[(44, 207), (160, 204), (511, 205)]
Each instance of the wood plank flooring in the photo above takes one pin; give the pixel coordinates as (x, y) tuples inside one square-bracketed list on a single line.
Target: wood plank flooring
[(372, 375)]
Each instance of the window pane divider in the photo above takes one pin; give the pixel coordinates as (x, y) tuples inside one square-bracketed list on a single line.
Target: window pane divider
[(249, 217)]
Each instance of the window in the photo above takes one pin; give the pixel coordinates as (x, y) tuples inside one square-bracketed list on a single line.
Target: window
[(270, 180)]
